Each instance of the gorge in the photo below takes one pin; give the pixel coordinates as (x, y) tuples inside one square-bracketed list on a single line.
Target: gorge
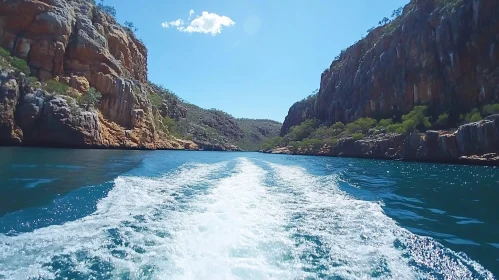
[(442, 55)]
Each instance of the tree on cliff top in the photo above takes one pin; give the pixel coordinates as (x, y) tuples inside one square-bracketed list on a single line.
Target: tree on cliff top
[(131, 26), (106, 8)]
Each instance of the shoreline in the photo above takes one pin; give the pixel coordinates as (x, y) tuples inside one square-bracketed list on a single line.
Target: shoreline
[(99, 147), (469, 162), (464, 161)]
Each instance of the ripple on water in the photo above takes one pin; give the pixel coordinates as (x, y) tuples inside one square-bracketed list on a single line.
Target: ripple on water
[(232, 220)]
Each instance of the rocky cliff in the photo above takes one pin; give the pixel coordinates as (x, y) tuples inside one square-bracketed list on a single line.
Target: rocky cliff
[(77, 43), (74, 42), (473, 143), (443, 53)]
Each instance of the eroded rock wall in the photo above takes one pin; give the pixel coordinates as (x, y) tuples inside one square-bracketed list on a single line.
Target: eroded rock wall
[(446, 57), (75, 42)]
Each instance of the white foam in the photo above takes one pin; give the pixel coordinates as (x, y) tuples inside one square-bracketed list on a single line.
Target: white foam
[(132, 210), (361, 239), (211, 222), (236, 231)]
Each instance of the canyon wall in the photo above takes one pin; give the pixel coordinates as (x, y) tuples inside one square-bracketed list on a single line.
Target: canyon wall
[(440, 53)]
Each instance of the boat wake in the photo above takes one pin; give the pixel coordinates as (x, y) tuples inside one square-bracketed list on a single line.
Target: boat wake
[(245, 219)]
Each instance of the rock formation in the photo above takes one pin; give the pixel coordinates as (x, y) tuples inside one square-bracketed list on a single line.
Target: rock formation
[(78, 44), (75, 42), (441, 53), (31, 116), (475, 143)]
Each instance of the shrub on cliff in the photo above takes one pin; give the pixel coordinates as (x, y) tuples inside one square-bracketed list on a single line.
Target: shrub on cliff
[(156, 99), (325, 132), (106, 8), (130, 26), (361, 125), (358, 136), (307, 144), (473, 116), (56, 87), (18, 63), (490, 109), (91, 98), (338, 126), (442, 121), (273, 143), (385, 123), (303, 130), (4, 53), (411, 122), (418, 115)]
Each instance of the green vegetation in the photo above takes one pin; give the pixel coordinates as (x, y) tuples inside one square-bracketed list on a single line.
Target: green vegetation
[(91, 98), (411, 122), (188, 121), (55, 87), (130, 26), (384, 123), (106, 8), (358, 136), (309, 135), (361, 125), (156, 99), (476, 115), (274, 142), (472, 116), (4, 53), (442, 121), (490, 109), (32, 81), (17, 63), (20, 64), (302, 131)]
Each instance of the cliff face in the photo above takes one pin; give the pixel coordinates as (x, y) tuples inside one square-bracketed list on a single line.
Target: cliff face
[(473, 143), (75, 42), (444, 56)]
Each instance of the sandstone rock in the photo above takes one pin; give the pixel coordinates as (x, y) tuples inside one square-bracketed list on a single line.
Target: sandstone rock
[(479, 137), (9, 94), (448, 58)]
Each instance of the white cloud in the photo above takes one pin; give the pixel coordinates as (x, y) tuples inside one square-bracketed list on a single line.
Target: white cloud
[(176, 23), (191, 12), (207, 23)]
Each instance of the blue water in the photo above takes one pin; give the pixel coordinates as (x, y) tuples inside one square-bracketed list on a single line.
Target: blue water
[(96, 214)]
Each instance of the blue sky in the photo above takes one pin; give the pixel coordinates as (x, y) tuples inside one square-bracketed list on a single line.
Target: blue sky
[(265, 54)]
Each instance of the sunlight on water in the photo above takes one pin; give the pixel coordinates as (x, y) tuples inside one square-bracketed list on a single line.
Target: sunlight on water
[(232, 220)]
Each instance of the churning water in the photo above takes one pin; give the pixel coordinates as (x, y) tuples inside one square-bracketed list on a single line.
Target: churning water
[(174, 215)]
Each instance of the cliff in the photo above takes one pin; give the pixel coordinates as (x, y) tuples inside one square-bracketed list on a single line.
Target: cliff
[(442, 53), (473, 143), (77, 44)]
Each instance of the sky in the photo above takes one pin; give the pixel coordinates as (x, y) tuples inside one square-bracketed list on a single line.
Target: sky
[(250, 58)]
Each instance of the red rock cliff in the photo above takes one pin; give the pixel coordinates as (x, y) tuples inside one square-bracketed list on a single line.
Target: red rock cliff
[(76, 42), (444, 56)]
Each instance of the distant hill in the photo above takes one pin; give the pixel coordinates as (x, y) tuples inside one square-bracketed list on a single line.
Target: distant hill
[(213, 129)]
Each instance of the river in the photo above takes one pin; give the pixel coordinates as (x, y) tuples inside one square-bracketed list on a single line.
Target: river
[(108, 214)]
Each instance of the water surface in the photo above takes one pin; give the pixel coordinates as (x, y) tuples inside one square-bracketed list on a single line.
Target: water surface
[(96, 214)]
